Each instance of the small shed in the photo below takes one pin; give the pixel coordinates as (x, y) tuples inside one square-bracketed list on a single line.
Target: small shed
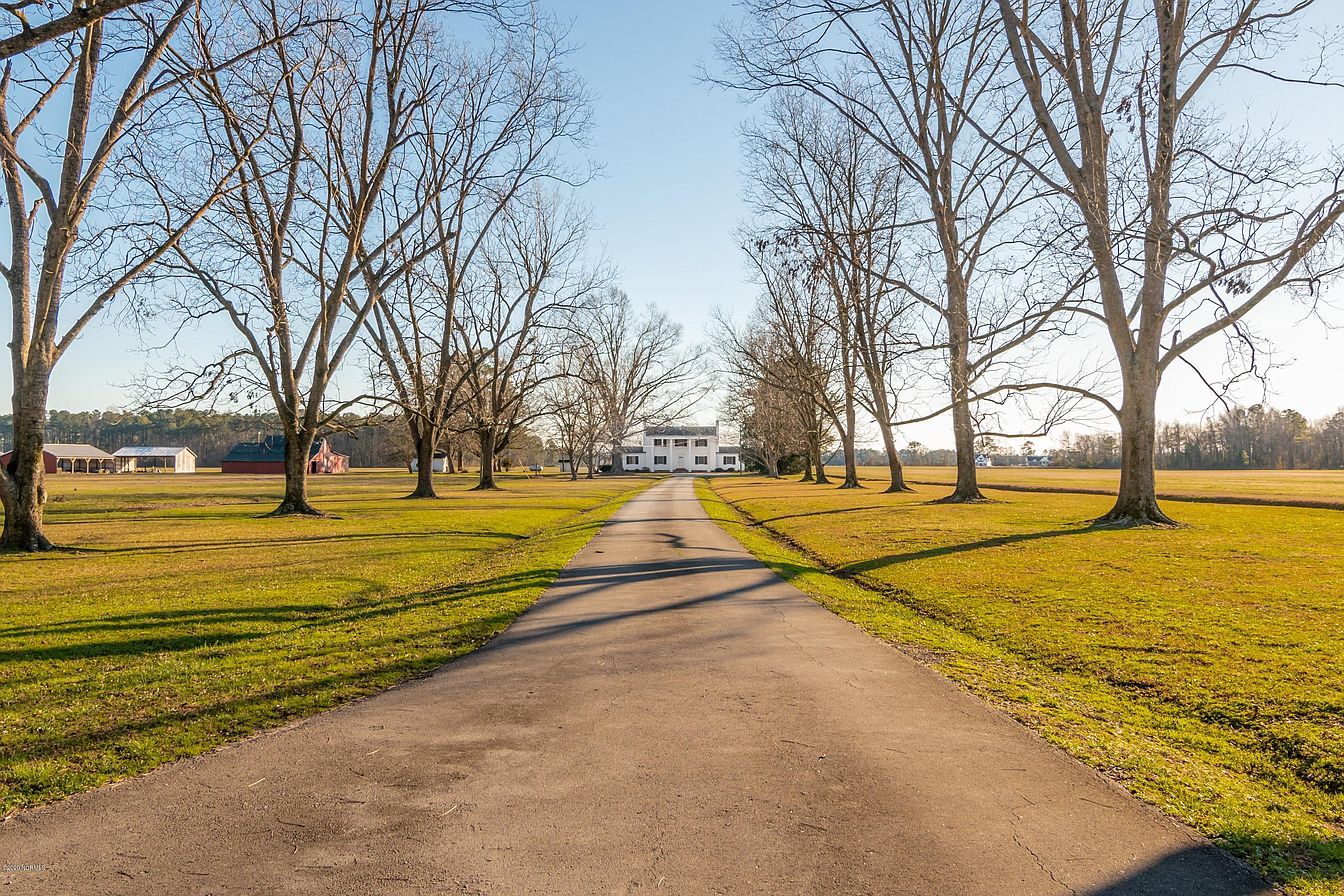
[(268, 456), (440, 464), (60, 457), (147, 459)]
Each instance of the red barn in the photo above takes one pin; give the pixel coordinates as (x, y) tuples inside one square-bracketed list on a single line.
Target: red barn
[(268, 456)]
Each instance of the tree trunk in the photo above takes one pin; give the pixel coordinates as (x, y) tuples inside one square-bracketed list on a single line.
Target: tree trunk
[(487, 443), (820, 463), (295, 502), (851, 466), (424, 459), (617, 460), (851, 479), (807, 468), (1136, 502), (894, 467), (23, 485), (23, 488), (963, 428)]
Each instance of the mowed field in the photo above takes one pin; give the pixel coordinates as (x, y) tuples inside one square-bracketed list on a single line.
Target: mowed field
[(1325, 487), (1201, 667), (177, 620)]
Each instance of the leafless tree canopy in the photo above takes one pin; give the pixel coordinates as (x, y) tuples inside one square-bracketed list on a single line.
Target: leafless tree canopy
[(1189, 220), (927, 87), (80, 231), (638, 368), (1059, 169), (499, 131)]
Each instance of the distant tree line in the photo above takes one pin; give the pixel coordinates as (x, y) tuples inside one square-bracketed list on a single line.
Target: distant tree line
[(1250, 438), (1254, 438), (210, 434)]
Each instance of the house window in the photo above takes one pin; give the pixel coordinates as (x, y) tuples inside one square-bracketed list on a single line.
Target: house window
[(729, 459), (660, 443), (702, 460), (660, 459), (680, 443), (632, 460), (702, 443)]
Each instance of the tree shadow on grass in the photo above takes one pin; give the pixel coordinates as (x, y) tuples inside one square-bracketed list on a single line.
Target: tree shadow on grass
[(196, 546), (765, 521), (150, 619), (863, 566)]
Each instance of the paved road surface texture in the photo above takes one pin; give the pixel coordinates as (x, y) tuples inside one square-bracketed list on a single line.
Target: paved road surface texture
[(669, 718)]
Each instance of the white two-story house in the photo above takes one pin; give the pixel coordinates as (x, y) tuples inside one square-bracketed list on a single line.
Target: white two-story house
[(681, 449)]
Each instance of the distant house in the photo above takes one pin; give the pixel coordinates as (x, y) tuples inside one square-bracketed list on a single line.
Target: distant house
[(440, 464), (58, 457), (144, 458), (268, 456), (1038, 460), (681, 449), (984, 460)]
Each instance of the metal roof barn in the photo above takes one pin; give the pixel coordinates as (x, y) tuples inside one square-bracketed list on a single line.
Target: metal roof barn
[(63, 457), (155, 459)]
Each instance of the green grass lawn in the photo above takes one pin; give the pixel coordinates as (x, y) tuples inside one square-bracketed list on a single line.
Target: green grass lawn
[(1323, 486), (179, 620), (1202, 667)]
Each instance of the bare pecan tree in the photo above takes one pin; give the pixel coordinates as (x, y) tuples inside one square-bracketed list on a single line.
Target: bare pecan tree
[(818, 177), (518, 314), (806, 355), (640, 369), (925, 81), (1190, 222), (328, 127), (573, 411), (78, 120), (502, 124)]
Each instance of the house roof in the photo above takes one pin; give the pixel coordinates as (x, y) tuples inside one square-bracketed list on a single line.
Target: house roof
[(150, 451), (729, 449), (681, 431), (63, 449), (630, 449), (269, 449)]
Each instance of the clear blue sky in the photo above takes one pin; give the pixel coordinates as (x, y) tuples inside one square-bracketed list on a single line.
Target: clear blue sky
[(669, 200)]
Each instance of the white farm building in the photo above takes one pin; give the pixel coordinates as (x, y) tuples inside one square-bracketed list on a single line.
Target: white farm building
[(146, 459), (439, 464), (681, 449)]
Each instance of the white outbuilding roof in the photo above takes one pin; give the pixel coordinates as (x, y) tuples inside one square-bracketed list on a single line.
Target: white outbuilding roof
[(150, 451), (61, 449)]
